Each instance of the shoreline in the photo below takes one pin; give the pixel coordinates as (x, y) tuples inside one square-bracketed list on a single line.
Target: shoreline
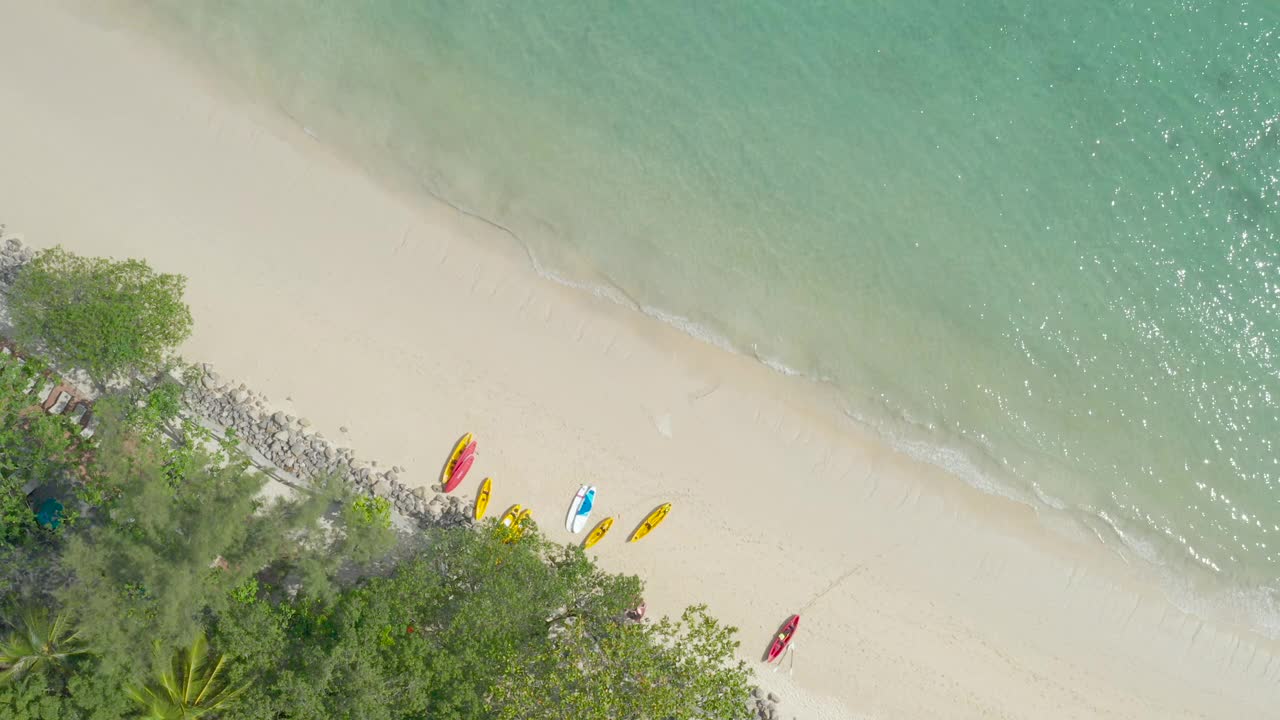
[(1236, 598), (922, 596)]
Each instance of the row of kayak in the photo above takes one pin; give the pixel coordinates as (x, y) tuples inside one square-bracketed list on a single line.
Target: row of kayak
[(463, 457), (580, 508)]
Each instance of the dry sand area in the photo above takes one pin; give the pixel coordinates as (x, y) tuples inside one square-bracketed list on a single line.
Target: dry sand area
[(355, 306)]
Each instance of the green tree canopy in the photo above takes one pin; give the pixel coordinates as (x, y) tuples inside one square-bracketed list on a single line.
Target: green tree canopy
[(170, 550), (34, 445), (106, 316), (36, 698), (620, 671), (472, 628)]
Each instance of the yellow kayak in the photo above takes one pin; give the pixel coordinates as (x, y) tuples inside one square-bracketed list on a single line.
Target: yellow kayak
[(518, 525), (509, 517), (482, 497), (525, 514), (597, 533), (505, 530), (655, 518), (454, 457)]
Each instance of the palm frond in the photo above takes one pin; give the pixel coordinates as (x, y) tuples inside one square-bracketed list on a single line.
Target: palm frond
[(190, 688), (39, 642)]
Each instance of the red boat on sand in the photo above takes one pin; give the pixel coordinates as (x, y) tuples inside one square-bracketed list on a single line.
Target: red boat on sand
[(467, 451), (460, 472), (783, 639)]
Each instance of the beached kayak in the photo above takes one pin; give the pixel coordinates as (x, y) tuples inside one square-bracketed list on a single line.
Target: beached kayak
[(655, 518), (783, 638), (598, 532), (460, 472), (518, 525), (509, 516), (482, 497), (524, 515), (455, 457), (573, 508), (584, 510)]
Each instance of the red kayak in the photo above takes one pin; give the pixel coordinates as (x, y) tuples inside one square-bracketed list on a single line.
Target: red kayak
[(467, 451), (783, 639), (460, 472)]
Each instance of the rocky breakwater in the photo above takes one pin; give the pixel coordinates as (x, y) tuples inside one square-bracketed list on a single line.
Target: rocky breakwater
[(291, 444)]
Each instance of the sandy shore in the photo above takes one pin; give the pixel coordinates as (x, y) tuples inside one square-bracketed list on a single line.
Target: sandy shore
[(921, 597)]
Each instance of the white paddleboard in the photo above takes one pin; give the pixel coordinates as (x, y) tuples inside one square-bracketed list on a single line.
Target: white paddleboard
[(573, 508), (584, 509)]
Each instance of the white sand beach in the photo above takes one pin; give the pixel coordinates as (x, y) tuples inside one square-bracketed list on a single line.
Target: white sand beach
[(409, 324)]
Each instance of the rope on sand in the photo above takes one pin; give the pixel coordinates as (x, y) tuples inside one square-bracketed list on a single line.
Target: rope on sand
[(847, 574)]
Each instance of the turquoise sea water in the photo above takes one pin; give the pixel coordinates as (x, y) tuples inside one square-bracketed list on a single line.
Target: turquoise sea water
[(1034, 242)]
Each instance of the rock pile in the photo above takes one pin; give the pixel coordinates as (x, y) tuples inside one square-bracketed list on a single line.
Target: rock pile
[(766, 704), (13, 255), (294, 446)]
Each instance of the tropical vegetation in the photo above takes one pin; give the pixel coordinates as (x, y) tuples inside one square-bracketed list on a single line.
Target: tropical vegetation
[(103, 316), (176, 588)]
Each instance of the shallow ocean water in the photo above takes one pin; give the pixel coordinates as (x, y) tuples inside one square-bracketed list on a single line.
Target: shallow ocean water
[(1035, 243)]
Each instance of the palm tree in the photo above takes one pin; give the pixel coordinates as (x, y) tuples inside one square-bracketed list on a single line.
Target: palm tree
[(190, 689), (39, 642)]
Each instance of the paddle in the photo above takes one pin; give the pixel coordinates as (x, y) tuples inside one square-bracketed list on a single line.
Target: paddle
[(791, 671)]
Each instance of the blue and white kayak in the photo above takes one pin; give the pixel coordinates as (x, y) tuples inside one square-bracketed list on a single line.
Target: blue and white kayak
[(573, 508), (584, 510)]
